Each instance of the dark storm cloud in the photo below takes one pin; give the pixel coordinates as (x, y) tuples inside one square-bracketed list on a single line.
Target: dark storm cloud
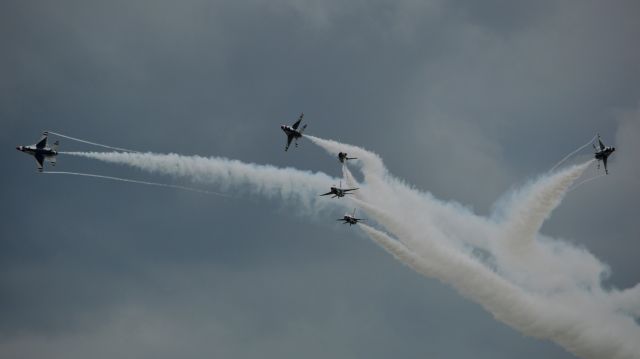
[(460, 98)]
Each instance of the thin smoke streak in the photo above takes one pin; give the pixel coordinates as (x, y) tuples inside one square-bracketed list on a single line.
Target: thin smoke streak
[(91, 143), (574, 187), (572, 153), (138, 182)]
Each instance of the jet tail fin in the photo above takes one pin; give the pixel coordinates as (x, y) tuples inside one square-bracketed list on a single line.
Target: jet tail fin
[(302, 129), (55, 146)]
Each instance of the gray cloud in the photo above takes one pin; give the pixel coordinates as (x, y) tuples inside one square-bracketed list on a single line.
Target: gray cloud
[(460, 98)]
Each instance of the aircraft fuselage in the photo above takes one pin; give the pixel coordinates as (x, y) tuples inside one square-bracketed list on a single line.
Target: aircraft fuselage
[(289, 131), (601, 155), (42, 154), (33, 151), (337, 192), (350, 220)]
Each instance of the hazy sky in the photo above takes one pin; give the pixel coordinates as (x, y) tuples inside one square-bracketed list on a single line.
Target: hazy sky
[(461, 98)]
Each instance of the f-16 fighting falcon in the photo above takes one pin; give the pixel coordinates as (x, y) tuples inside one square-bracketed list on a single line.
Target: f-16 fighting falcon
[(41, 151), (338, 191), (602, 153), (342, 156), (292, 132), (351, 218)]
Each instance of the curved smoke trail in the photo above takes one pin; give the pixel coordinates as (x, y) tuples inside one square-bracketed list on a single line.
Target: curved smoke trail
[(538, 285), (531, 206)]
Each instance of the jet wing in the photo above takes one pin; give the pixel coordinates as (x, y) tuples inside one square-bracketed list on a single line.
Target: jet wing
[(42, 142), (326, 194), (289, 139), (349, 189), (604, 161), (602, 146), (295, 125), (40, 161)]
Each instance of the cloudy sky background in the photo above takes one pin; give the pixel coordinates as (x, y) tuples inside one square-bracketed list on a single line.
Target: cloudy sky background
[(462, 99)]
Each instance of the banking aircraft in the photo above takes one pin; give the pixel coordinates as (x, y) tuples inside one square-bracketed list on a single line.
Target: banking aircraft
[(342, 156), (602, 153), (292, 132), (41, 151)]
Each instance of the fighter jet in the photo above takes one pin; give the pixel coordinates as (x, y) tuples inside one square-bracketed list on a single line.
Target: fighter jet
[(351, 218), (41, 151), (292, 132), (602, 153), (342, 156), (338, 191)]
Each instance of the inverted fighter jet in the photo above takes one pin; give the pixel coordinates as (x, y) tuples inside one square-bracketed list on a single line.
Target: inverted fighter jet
[(41, 151), (338, 191), (602, 153), (292, 132)]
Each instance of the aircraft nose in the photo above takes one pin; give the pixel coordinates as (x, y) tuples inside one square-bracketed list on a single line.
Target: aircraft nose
[(18, 148)]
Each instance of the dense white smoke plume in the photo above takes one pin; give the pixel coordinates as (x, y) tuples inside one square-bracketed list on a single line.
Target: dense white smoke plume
[(541, 286), (300, 187)]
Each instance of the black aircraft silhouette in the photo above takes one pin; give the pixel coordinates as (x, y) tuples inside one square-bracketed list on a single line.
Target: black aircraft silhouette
[(41, 152), (338, 191), (342, 156), (350, 218), (602, 153), (292, 132)]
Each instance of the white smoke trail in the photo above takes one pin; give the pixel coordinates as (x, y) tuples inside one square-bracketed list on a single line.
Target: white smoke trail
[(91, 143), (572, 153), (531, 206), (137, 181), (560, 318), (389, 192), (348, 177), (547, 288), (368, 159), (289, 184)]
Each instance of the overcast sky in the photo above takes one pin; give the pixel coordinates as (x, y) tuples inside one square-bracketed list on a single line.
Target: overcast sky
[(461, 98)]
